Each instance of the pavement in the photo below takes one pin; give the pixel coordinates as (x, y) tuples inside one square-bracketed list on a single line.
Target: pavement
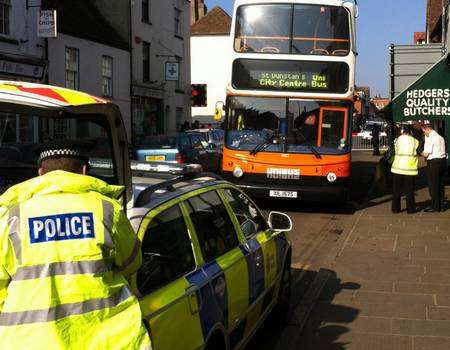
[(385, 283), (364, 278)]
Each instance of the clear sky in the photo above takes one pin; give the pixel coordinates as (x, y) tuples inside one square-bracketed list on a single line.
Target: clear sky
[(380, 23)]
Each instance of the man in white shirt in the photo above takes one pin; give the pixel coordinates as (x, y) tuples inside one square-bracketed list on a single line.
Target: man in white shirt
[(436, 155)]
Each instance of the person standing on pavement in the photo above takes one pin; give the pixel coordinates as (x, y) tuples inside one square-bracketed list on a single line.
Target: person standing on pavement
[(404, 170), (376, 139), (436, 156), (66, 251)]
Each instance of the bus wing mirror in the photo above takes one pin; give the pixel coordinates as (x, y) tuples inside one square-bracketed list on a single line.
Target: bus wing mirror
[(218, 110)]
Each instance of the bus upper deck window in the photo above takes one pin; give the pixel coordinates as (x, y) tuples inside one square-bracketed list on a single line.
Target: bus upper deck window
[(292, 29), (263, 28)]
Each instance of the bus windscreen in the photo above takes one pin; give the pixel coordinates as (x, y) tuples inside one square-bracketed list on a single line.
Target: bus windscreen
[(287, 126), (290, 76)]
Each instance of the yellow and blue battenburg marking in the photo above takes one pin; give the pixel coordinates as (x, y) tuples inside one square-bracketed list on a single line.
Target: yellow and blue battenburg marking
[(255, 264), (61, 227), (213, 295)]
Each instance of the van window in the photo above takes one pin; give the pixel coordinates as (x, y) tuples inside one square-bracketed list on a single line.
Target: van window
[(213, 225), (166, 251)]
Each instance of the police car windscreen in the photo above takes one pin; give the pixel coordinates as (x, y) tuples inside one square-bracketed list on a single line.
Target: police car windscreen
[(20, 134)]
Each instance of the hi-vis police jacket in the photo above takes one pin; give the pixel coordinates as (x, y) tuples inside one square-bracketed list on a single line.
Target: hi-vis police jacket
[(406, 159), (65, 250)]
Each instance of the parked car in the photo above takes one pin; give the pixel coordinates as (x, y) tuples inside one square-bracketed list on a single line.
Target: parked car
[(214, 137), (213, 268), (178, 148)]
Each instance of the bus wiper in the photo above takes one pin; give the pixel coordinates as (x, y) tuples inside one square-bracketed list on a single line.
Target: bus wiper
[(261, 146), (312, 148)]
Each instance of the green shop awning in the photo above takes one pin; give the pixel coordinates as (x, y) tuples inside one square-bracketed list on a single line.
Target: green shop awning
[(428, 98)]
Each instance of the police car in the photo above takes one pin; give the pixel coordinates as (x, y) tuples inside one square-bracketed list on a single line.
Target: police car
[(213, 267)]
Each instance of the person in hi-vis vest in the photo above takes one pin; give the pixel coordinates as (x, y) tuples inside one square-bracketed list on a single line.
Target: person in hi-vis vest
[(405, 169), (66, 249)]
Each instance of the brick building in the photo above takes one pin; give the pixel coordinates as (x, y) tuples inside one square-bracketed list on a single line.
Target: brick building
[(420, 38), (434, 20)]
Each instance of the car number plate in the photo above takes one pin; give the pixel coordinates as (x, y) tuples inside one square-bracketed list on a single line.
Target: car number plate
[(155, 158), (284, 194)]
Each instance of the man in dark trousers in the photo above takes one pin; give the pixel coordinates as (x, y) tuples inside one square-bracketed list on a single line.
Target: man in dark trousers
[(376, 139), (404, 170), (435, 153)]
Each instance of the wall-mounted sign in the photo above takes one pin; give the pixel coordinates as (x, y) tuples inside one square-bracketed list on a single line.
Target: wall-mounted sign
[(47, 24), (294, 76), (172, 71), (21, 69)]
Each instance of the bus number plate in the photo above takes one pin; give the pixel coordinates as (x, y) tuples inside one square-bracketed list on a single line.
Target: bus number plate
[(284, 194)]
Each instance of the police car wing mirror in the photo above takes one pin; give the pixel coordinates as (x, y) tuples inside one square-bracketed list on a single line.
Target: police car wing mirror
[(280, 222)]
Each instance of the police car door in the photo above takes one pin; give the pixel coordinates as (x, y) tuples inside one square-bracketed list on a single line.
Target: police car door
[(224, 295), (169, 303), (264, 254)]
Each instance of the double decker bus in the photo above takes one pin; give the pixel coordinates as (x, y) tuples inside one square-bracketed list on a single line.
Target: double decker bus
[(290, 98)]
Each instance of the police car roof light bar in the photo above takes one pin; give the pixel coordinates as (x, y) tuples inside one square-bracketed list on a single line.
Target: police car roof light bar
[(166, 168), (153, 167)]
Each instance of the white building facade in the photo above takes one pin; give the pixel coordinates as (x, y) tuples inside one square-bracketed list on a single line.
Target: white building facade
[(209, 68), (22, 53), (210, 65), (160, 34)]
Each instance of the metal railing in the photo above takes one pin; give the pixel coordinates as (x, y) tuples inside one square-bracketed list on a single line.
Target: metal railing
[(362, 143)]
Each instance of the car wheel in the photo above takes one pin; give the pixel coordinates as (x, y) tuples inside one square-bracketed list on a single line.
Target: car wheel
[(217, 342), (281, 309)]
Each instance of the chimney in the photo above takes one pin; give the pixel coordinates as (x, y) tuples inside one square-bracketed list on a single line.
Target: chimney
[(198, 10)]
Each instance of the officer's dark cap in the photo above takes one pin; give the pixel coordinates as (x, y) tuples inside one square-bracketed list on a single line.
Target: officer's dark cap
[(78, 149)]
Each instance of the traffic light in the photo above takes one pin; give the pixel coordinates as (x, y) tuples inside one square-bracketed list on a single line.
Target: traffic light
[(198, 95)]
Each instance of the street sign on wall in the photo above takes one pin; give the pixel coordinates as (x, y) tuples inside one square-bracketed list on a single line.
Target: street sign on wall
[(21, 69), (172, 71), (47, 24)]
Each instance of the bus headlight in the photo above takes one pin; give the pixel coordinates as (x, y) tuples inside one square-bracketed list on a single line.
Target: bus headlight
[(331, 177), (238, 172)]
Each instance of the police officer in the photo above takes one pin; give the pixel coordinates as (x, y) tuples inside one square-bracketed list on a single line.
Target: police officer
[(436, 156), (404, 169), (66, 249)]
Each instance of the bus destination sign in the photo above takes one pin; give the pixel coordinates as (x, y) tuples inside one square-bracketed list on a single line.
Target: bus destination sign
[(291, 80), (290, 76)]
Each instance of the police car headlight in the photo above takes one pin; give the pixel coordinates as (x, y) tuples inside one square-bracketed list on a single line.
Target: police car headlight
[(238, 172), (331, 177)]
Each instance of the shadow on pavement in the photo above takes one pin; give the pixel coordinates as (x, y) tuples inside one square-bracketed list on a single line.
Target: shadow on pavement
[(310, 325), (381, 191), (329, 320), (364, 170)]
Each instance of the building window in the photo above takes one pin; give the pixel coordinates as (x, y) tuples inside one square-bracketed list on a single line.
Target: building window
[(146, 10), (107, 76), (178, 31), (72, 68), (145, 61), (5, 10)]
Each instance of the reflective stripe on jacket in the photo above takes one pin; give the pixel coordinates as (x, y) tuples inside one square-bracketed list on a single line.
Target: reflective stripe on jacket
[(65, 250), (406, 159)]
